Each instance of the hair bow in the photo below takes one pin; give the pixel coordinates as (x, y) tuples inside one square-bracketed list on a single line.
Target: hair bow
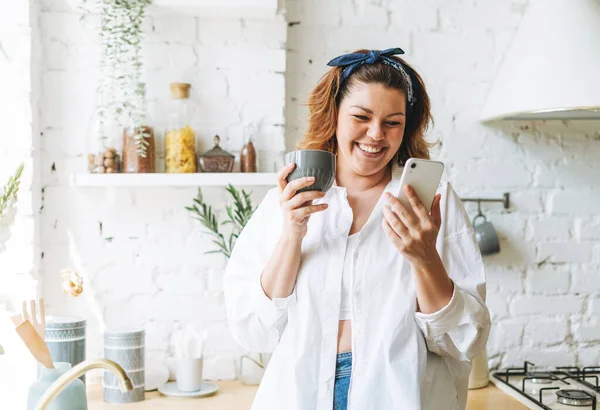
[(352, 61)]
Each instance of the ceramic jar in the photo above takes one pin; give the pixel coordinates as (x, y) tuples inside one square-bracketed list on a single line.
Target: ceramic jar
[(65, 337), (72, 397), (125, 347)]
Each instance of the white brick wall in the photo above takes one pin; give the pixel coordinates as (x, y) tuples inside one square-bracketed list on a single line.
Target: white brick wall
[(19, 276), (147, 265), (550, 169)]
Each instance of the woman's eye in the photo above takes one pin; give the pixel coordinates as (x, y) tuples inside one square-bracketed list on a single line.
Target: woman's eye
[(392, 123), (361, 117)]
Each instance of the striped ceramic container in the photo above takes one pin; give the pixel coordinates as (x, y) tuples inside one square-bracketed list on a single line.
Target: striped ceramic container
[(126, 347), (65, 337)]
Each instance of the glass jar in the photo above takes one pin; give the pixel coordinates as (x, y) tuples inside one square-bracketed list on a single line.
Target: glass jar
[(104, 148), (134, 160), (180, 138)]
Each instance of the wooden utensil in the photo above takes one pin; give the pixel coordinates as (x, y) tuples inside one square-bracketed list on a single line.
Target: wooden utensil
[(36, 315), (17, 319), (35, 344)]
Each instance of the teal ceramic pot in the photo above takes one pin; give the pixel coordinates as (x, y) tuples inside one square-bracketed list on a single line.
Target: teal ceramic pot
[(72, 397)]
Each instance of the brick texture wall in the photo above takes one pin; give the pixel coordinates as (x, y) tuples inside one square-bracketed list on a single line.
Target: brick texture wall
[(141, 253), (544, 287), (143, 257), (19, 143)]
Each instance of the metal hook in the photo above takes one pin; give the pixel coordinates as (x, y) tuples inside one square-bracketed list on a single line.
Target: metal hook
[(479, 213)]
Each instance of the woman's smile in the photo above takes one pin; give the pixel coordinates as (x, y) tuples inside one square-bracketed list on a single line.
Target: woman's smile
[(371, 151)]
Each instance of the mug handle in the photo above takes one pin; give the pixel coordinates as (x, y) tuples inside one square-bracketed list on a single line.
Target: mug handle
[(477, 217)]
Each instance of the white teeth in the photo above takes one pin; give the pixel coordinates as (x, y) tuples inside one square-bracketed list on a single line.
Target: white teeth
[(368, 149)]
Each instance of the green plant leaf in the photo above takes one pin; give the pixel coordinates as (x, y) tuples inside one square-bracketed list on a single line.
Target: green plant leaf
[(238, 214), (10, 190)]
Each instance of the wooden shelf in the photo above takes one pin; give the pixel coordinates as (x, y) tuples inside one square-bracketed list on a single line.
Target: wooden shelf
[(175, 180), (220, 9), (260, 9)]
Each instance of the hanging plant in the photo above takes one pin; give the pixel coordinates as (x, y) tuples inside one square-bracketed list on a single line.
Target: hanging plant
[(121, 91)]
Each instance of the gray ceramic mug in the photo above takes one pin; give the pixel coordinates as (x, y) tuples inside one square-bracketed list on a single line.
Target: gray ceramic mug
[(312, 163), (486, 236)]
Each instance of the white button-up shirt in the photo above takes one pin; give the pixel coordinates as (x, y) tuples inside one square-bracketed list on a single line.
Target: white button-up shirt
[(401, 359)]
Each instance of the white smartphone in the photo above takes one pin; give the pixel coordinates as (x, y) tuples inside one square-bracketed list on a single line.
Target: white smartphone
[(424, 176)]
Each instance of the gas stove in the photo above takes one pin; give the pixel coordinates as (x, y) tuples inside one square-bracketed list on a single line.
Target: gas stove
[(560, 388)]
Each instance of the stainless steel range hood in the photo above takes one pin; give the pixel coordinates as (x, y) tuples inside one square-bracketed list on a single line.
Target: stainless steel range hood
[(552, 69)]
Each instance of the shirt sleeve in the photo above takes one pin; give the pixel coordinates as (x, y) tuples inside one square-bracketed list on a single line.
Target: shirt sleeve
[(255, 321), (460, 329)]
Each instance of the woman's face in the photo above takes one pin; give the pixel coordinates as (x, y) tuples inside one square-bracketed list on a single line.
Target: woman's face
[(370, 127)]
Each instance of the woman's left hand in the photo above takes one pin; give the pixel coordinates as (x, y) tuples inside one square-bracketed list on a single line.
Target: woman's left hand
[(413, 231)]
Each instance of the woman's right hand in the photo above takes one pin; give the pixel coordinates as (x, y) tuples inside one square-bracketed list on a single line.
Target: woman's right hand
[(297, 208)]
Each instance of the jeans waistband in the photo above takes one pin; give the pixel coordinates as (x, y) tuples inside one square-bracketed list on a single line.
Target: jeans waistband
[(343, 366)]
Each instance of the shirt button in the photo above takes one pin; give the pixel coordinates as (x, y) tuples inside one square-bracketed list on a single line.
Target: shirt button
[(357, 331)]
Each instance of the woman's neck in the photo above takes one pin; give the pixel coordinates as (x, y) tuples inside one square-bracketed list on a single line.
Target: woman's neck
[(355, 183)]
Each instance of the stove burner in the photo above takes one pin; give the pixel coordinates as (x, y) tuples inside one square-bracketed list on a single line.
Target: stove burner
[(540, 378), (574, 397)]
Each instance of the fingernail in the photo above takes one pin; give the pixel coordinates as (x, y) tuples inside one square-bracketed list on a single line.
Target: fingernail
[(408, 189), (310, 179)]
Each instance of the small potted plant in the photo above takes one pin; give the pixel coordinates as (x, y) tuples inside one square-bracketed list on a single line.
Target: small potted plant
[(237, 215)]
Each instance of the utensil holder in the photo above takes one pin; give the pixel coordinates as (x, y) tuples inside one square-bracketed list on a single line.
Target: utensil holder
[(125, 347)]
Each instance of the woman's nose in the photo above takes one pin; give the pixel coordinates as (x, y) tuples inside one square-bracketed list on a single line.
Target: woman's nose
[(375, 131)]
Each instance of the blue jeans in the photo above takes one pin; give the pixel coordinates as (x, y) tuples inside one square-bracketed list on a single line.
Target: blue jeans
[(342, 380)]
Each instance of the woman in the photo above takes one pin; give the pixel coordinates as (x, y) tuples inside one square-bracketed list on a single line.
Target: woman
[(365, 304)]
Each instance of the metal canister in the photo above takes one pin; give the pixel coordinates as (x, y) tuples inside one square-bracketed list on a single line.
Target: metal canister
[(65, 337), (126, 347)]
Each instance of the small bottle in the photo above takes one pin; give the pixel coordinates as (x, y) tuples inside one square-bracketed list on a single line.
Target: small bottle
[(248, 154)]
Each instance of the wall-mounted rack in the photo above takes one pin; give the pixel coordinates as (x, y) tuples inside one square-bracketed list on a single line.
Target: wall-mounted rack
[(505, 200)]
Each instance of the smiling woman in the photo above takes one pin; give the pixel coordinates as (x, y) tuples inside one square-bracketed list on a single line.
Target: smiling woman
[(365, 303), (330, 106)]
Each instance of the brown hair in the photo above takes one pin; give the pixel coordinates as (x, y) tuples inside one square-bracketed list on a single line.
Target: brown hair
[(325, 99)]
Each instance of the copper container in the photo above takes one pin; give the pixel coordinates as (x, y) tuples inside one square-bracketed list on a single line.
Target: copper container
[(216, 159)]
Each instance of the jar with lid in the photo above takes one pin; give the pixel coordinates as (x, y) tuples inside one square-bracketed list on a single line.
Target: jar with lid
[(138, 146), (180, 137), (104, 147), (216, 159)]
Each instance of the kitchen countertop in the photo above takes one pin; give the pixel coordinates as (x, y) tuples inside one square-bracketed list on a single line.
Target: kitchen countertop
[(233, 395)]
